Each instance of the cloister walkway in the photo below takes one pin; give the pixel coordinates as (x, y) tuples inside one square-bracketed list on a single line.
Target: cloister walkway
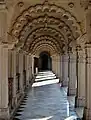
[(47, 100)]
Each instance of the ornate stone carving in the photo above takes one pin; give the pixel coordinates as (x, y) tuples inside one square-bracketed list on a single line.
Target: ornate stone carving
[(71, 4), (48, 20), (20, 4)]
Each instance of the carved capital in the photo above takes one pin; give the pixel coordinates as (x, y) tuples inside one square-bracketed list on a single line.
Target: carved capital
[(2, 5)]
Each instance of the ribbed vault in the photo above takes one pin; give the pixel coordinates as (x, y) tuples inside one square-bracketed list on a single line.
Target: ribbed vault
[(44, 25)]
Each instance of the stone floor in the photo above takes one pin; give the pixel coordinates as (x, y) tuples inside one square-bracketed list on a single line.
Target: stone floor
[(47, 100)]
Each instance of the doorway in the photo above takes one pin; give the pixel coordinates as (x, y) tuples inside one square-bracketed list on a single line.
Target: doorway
[(45, 62), (35, 64)]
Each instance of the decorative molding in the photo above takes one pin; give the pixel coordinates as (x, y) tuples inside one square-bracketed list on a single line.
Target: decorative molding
[(21, 4), (71, 4), (48, 19)]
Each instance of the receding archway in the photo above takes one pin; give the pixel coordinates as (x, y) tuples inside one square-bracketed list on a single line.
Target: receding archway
[(45, 61)]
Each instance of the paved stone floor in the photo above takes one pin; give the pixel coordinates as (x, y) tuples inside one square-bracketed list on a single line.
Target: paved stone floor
[(47, 100)]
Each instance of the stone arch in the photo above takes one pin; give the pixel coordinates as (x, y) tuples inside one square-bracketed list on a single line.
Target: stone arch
[(45, 61), (45, 40), (44, 47), (44, 15)]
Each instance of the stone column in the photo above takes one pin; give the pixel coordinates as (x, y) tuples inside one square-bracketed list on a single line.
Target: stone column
[(4, 110), (32, 65), (61, 67), (21, 72), (56, 62), (65, 70), (57, 65), (53, 65), (87, 109), (72, 74), (27, 70), (80, 96), (14, 77)]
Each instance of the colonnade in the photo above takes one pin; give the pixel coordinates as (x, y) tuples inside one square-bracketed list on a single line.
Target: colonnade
[(16, 71), (76, 72), (15, 77), (73, 68)]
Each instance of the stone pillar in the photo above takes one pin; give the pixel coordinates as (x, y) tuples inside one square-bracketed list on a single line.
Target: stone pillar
[(21, 72), (53, 65), (4, 110), (14, 77), (61, 67), (80, 96), (58, 62), (32, 66), (72, 74), (27, 70), (87, 109), (65, 70)]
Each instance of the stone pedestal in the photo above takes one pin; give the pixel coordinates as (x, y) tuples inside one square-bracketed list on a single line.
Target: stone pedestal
[(4, 109), (72, 74), (87, 114), (65, 71), (80, 96), (79, 101)]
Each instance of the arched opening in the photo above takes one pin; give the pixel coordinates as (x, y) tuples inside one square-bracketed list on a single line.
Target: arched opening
[(45, 62)]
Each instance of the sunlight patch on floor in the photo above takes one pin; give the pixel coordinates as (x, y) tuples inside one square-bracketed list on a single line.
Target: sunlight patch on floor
[(48, 75), (47, 118), (71, 118), (45, 78), (68, 109), (48, 82)]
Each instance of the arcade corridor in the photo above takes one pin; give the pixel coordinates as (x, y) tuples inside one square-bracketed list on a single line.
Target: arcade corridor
[(45, 35), (47, 100)]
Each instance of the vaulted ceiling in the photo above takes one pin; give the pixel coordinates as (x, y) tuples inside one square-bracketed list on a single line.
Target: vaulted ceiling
[(45, 26)]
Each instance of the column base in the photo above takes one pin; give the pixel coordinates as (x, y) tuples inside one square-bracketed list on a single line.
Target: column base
[(4, 114), (65, 83), (14, 101), (71, 91), (87, 114), (79, 101)]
